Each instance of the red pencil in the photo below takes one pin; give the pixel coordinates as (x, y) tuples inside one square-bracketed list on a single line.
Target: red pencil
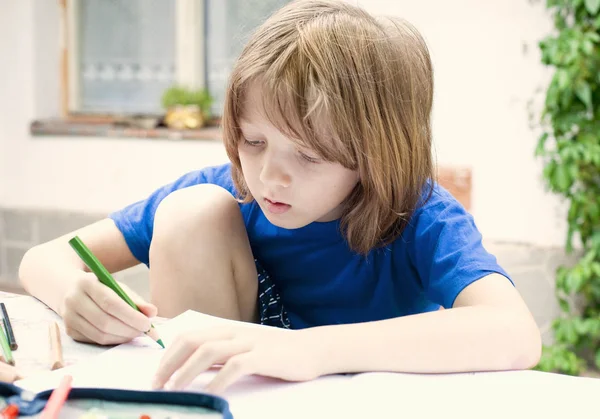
[(57, 399), (10, 412)]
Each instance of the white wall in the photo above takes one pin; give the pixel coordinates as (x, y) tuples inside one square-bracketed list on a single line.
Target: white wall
[(8, 65), (483, 81)]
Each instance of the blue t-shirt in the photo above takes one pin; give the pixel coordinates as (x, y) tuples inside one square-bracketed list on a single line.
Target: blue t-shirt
[(321, 281)]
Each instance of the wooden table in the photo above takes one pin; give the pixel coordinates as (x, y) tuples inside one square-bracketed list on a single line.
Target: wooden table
[(30, 321)]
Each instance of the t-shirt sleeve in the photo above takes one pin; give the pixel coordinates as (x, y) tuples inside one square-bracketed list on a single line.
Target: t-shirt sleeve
[(447, 250), (136, 221)]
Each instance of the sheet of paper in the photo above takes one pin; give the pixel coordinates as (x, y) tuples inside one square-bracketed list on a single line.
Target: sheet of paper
[(526, 394), (132, 366), (33, 317)]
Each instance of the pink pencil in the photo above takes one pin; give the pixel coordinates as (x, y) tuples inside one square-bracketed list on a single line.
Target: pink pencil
[(57, 399)]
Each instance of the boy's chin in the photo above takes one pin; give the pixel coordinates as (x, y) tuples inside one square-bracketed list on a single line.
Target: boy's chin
[(289, 223)]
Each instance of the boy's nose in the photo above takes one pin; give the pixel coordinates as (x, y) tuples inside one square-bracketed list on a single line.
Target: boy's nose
[(275, 174)]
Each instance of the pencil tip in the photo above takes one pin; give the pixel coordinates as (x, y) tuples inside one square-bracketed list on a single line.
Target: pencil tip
[(160, 342)]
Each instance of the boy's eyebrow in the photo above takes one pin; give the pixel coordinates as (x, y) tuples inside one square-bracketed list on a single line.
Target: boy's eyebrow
[(245, 125), (247, 128)]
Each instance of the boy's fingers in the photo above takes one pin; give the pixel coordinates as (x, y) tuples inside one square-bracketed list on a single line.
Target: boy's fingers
[(203, 358), (237, 367), (80, 327), (145, 307), (76, 334), (184, 346), (176, 354), (112, 304), (148, 309), (104, 321)]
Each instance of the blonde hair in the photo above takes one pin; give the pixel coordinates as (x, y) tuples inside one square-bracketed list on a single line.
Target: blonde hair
[(370, 80)]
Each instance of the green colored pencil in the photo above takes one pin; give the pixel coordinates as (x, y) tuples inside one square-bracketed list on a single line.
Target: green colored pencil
[(8, 356), (107, 279)]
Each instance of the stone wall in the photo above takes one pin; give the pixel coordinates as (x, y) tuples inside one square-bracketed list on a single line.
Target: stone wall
[(22, 229)]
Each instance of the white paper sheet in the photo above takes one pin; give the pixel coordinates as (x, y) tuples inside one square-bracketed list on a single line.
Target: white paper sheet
[(519, 394), (30, 316), (132, 366)]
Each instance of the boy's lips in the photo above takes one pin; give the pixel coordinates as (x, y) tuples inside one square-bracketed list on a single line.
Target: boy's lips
[(274, 201), (276, 207)]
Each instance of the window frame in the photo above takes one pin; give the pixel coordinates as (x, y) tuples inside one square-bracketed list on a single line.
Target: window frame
[(190, 53)]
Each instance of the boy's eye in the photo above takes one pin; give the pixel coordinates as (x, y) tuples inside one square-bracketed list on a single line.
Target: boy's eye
[(252, 143), (309, 158)]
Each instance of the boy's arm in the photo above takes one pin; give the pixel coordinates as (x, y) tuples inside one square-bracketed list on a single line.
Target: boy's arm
[(49, 270), (489, 328)]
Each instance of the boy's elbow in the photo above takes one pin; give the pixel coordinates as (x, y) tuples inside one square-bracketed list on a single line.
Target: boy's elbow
[(30, 267), (529, 356), (24, 266), (527, 345)]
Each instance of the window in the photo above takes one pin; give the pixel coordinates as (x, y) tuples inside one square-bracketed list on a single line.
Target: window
[(120, 55), (229, 24)]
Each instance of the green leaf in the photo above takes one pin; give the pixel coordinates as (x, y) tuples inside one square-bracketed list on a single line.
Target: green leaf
[(597, 358), (596, 159), (552, 97), (573, 211), (561, 178), (569, 240), (566, 97), (539, 150), (588, 258), (581, 326), (586, 155), (594, 210), (564, 305), (575, 280), (593, 36), (595, 290), (561, 276), (587, 46), (593, 327), (562, 78), (592, 6), (571, 334), (584, 92), (586, 271), (573, 170), (549, 171)]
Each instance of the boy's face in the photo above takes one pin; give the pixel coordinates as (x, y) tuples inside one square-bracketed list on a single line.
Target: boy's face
[(293, 186)]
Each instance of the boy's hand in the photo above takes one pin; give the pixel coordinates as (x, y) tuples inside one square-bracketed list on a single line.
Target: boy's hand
[(92, 312), (242, 350)]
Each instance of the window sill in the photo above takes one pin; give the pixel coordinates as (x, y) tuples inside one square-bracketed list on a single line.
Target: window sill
[(68, 128), (457, 180)]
